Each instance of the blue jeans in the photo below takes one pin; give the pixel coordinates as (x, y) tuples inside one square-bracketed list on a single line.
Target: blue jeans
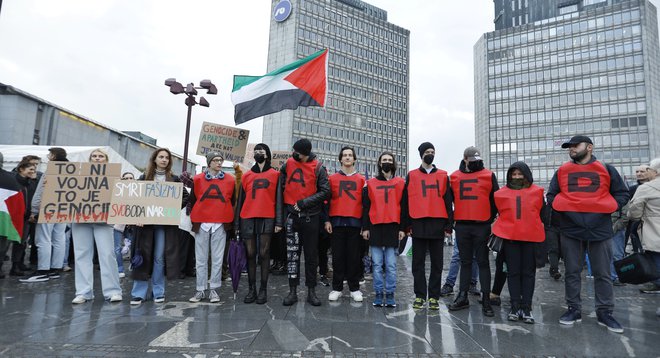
[(119, 238), (618, 248), (455, 265), (388, 254), (140, 288)]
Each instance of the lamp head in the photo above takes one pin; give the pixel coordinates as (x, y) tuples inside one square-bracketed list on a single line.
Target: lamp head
[(203, 102), (190, 89)]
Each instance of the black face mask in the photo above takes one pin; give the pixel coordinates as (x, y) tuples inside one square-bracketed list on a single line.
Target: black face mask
[(387, 167), (516, 183), (475, 166), (296, 156), (428, 159), (259, 158)]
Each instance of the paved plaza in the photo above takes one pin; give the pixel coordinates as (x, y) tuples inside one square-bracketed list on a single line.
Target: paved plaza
[(38, 320)]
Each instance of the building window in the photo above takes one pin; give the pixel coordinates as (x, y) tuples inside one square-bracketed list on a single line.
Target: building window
[(568, 9)]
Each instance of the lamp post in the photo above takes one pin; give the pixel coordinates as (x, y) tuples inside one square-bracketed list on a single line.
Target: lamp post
[(190, 91)]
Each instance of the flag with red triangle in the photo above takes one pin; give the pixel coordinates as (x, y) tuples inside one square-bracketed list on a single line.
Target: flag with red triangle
[(12, 207)]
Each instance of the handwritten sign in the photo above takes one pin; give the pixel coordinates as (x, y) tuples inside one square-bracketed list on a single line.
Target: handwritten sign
[(145, 202), (77, 192), (279, 157), (231, 142)]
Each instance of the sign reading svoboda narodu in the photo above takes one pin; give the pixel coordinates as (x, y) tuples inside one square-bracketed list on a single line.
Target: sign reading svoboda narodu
[(231, 142), (145, 202)]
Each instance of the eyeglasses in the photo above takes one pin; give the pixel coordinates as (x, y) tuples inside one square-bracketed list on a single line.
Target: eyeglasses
[(217, 160)]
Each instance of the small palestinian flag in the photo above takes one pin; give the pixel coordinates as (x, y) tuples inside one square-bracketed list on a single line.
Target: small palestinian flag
[(302, 83), (12, 207)]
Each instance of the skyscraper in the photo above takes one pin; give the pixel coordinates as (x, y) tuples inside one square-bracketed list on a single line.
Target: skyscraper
[(553, 69), (368, 74)]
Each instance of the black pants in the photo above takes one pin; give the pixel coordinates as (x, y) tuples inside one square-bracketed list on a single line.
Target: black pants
[(472, 243), (500, 275), (346, 257), (324, 246), (435, 249), (302, 233), (187, 252), (521, 270), (552, 244), (278, 246)]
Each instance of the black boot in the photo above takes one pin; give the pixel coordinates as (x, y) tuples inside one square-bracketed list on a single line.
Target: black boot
[(262, 297), (311, 297), (486, 308), (252, 294), (292, 297), (16, 270), (460, 302)]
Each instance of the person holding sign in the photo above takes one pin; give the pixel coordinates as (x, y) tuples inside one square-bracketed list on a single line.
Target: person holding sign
[(158, 244), (212, 202), (259, 206), (383, 227), (304, 181), (520, 206), (84, 236), (344, 224)]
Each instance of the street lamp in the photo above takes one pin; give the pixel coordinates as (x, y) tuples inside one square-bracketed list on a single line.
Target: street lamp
[(190, 91)]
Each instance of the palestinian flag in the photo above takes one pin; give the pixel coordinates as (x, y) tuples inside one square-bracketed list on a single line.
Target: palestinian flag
[(12, 207), (302, 83)]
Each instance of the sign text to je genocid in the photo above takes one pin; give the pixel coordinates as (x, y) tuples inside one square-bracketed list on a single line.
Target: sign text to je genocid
[(231, 142), (77, 192), (145, 202)]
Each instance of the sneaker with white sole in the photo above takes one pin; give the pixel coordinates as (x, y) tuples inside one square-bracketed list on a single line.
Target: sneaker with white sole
[(357, 296), (39, 276), (213, 296), (79, 299), (334, 295), (136, 301), (199, 295), (160, 299), (115, 298), (605, 319)]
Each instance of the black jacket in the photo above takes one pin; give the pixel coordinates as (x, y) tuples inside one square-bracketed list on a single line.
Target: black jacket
[(313, 204), (590, 226), (428, 228), (493, 207)]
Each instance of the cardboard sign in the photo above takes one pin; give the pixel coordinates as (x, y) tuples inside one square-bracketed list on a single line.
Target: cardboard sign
[(279, 157), (231, 142), (77, 192), (145, 202)]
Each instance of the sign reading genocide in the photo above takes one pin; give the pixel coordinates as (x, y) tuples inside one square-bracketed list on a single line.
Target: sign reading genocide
[(231, 142), (279, 157), (77, 192), (145, 202)]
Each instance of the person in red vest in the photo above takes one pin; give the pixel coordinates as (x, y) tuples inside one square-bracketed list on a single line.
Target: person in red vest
[(383, 227), (344, 224), (520, 206), (304, 182), (212, 202), (259, 206), (474, 210), (428, 210), (586, 192)]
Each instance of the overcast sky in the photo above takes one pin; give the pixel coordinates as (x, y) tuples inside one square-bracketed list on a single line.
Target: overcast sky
[(107, 60)]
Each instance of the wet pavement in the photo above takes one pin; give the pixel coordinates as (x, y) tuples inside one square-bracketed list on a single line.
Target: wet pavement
[(39, 320)]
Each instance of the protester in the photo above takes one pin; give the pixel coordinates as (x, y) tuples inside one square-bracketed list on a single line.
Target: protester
[(49, 237), (520, 207), (644, 174), (343, 223), (474, 211), (158, 244), (304, 182), (85, 235), (427, 202), (26, 174), (212, 201), (120, 234), (645, 206), (259, 209), (383, 226), (13, 206), (586, 192)]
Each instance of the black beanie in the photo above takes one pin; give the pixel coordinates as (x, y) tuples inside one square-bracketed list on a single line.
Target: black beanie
[(303, 146), (423, 147), (263, 146)]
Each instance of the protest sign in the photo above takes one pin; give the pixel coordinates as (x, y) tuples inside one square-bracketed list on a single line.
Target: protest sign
[(77, 192), (145, 202), (279, 157), (231, 142)]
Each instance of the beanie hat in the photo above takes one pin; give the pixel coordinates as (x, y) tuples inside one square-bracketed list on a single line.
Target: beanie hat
[(423, 147), (303, 146), (262, 146), (211, 155)]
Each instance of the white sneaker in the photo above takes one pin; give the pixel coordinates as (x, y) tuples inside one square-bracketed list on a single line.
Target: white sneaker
[(334, 295), (159, 299), (213, 297), (66, 268), (199, 295), (79, 299), (356, 296), (115, 298), (122, 275)]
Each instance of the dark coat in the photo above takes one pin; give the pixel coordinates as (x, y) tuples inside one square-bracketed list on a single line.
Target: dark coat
[(429, 228), (313, 204)]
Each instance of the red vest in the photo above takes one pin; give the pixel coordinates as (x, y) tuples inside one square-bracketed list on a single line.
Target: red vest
[(300, 180), (584, 189), (346, 197), (519, 214), (425, 194), (214, 196), (472, 195), (260, 192), (385, 197)]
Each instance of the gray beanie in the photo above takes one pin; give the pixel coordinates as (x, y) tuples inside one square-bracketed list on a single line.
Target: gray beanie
[(211, 155)]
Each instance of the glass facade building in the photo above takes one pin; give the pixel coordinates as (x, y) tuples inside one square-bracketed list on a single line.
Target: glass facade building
[(582, 67), (368, 75)]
